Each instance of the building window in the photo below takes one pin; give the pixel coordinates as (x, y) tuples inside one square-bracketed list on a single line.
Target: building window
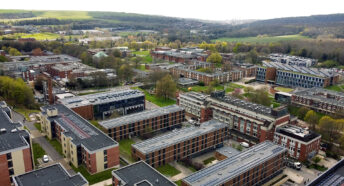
[(9, 156), (105, 166), (11, 171), (10, 164)]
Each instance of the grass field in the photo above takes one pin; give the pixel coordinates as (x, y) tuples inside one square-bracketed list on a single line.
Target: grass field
[(64, 14), (94, 178), (125, 148), (38, 152), (147, 58), (266, 39), (37, 36), (25, 112), (168, 170), (338, 88), (161, 102)]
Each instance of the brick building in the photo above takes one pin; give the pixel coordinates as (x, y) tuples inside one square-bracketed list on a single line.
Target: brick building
[(180, 144), (82, 143), (54, 175), (139, 174), (302, 144), (295, 76), (248, 70), (181, 55), (255, 166), (103, 105), (160, 119), (320, 100), (195, 105), (15, 147)]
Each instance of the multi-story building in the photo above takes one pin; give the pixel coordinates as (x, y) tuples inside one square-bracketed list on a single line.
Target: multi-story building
[(195, 105), (225, 152), (295, 76), (321, 100), (82, 143), (179, 55), (247, 121), (180, 144), (15, 147), (54, 175), (255, 166), (302, 144), (333, 176), (103, 105), (139, 174), (247, 69), (292, 60), (148, 121)]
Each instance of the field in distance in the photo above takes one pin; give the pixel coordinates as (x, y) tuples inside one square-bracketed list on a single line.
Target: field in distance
[(261, 39)]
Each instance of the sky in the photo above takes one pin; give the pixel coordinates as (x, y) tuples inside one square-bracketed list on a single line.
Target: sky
[(199, 9)]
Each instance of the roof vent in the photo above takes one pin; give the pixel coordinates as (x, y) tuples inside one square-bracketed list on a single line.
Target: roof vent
[(3, 130), (14, 130), (157, 181)]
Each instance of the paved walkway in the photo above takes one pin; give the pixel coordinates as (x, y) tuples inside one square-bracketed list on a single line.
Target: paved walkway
[(103, 183), (184, 171)]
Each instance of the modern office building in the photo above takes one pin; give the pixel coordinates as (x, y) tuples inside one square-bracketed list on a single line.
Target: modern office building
[(103, 105), (302, 144), (334, 176), (247, 121), (82, 143), (15, 147), (139, 174), (53, 175), (255, 166), (195, 105), (180, 144), (295, 76), (320, 100), (148, 121)]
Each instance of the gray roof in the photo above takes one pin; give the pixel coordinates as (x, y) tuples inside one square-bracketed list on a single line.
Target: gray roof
[(297, 132), (214, 74), (228, 151), (177, 136), (13, 137), (235, 165), (195, 95), (187, 81), (334, 176), (147, 114), (101, 98), (140, 173), (82, 132), (54, 175), (322, 95)]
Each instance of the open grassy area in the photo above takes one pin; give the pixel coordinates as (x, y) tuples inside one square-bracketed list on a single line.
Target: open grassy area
[(142, 67), (25, 112), (147, 58), (261, 39), (96, 124), (209, 160), (284, 89), (125, 148), (179, 182), (94, 178), (338, 88), (56, 144), (168, 170), (161, 102), (38, 152), (37, 36), (63, 14), (38, 127)]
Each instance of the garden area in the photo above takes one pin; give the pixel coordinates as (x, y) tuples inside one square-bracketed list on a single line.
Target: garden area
[(168, 170), (209, 160), (161, 102), (93, 178), (38, 152), (125, 149)]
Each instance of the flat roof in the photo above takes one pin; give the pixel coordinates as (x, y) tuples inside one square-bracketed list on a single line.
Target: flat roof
[(297, 132), (228, 151), (186, 81), (132, 118), (332, 177), (82, 131), (195, 95), (11, 136), (101, 98), (54, 175), (177, 136), (140, 173), (322, 95), (235, 165)]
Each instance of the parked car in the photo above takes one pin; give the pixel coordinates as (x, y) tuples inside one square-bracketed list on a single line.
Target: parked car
[(45, 158), (294, 164), (244, 144)]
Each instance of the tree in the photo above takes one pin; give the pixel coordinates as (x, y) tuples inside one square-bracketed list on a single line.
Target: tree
[(302, 112), (3, 58), (260, 96), (311, 118), (215, 57), (125, 72), (166, 87), (37, 52), (14, 52), (328, 128), (253, 56)]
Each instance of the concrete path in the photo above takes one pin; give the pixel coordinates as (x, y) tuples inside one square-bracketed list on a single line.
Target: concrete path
[(103, 183), (184, 171)]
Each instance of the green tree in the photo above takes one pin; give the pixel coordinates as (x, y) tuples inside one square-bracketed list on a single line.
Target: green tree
[(215, 58), (328, 128), (14, 52), (311, 118), (260, 96), (302, 112), (253, 56), (125, 72), (166, 87)]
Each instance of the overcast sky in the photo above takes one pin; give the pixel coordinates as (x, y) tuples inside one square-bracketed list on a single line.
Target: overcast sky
[(201, 9)]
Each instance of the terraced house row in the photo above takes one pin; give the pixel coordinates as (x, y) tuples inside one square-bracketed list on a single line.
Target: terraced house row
[(180, 144), (149, 121)]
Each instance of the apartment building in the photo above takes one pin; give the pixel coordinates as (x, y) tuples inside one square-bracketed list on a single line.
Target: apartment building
[(302, 144), (15, 147), (195, 105), (54, 175), (295, 76), (255, 166), (139, 174), (148, 121), (180, 144), (247, 121), (320, 100), (82, 143), (103, 105)]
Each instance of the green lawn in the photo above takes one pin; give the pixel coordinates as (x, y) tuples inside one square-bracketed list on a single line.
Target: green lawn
[(284, 89), (56, 144), (96, 124), (147, 58), (38, 152), (168, 170), (38, 127), (161, 102), (179, 182), (94, 178), (209, 160), (262, 39), (25, 112), (142, 67), (198, 88), (125, 148), (37, 36), (338, 88)]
